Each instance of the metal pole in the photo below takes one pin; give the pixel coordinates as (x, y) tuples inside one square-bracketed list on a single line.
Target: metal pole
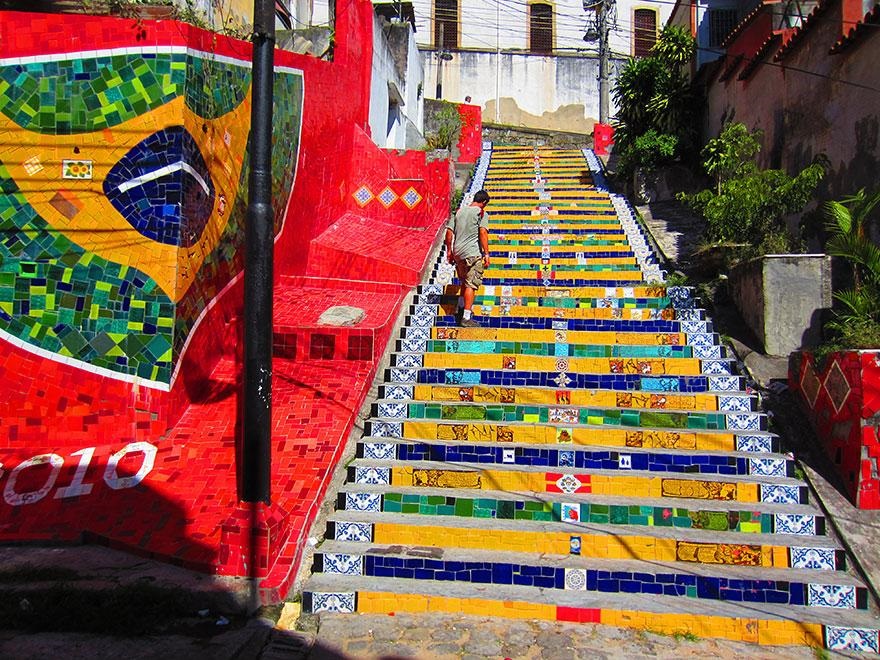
[(602, 16), (441, 51), (259, 233), (497, 61)]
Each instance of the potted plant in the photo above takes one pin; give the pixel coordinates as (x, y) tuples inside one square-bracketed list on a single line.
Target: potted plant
[(839, 385)]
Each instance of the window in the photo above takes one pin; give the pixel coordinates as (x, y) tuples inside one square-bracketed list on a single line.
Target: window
[(721, 24), (645, 31), (541, 28), (446, 24)]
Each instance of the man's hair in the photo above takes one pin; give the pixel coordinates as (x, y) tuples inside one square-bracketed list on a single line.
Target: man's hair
[(481, 196)]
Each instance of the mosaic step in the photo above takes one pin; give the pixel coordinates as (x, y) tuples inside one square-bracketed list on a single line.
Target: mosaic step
[(589, 454), (665, 460), (662, 366), (651, 419), (717, 516), (568, 572), (660, 544), (619, 482), (626, 401), (758, 623), (565, 438)]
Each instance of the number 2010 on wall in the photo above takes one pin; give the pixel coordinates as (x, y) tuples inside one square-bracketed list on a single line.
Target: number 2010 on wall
[(77, 486)]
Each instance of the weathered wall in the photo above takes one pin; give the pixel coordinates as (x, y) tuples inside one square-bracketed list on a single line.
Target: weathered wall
[(811, 102), (781, 298)]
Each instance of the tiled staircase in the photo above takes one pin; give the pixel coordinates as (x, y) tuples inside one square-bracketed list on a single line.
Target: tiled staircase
[(588, 455)]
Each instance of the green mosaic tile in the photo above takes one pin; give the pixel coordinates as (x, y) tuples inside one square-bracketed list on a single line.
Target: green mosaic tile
[(464, 508)]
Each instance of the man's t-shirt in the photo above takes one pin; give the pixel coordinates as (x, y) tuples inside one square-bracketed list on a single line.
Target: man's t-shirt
[(466, 228)]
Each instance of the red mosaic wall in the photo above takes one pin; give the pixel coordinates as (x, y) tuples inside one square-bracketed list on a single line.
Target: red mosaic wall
[(842, 399), (470, 140), (89, 457)]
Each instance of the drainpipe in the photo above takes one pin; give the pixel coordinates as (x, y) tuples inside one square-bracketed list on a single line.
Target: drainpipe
[(497, 61), (256, 451)]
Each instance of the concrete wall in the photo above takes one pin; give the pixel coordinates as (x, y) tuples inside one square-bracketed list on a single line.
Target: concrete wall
[(811, 102), (397, 77), (512, 86), (781, 298)]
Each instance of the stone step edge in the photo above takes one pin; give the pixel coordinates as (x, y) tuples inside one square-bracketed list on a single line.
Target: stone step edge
[(683, 534), (737, 621)]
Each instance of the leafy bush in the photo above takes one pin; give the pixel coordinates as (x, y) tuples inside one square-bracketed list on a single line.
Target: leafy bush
[(652, 150), (856, 322), (655, 94), (448, 123), (748, 204)]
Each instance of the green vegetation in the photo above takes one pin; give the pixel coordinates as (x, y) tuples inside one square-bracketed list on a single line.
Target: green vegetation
[(448, 123), (657, 105), (856, 322), (746, 210)]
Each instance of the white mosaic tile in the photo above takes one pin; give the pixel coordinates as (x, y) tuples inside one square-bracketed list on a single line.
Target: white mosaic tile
[(398, 392), (386, 429), (392, 409), (377, 476), (725, 383), (568, 483), (380, 451), (754, 443), (408, 360), (363, 502), (839, 596), (332, 602), (709, 352), (403, 375), (575, 579), (702, 339), (767, 467), (802, 524), (779, 494), (820, 559), (715, 367), (342, 564), (864, 640), (734, 403), (422, 334), (358, 532), (689, 315), (744, 421), (413, 345), (695, 327)]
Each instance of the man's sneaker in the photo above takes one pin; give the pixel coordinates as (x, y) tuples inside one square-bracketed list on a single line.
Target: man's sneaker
[(469, 323)]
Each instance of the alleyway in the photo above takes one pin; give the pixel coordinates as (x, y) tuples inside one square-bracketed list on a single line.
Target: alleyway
[(586, 456)]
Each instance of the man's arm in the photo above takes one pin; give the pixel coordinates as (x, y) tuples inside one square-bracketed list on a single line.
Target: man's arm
[(484, 245), (449, 236)]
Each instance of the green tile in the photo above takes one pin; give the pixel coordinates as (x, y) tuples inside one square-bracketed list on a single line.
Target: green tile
[(619, 515), (464, 507)]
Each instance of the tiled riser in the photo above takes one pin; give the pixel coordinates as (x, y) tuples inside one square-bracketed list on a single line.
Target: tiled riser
[(747, 522), (592, 440)]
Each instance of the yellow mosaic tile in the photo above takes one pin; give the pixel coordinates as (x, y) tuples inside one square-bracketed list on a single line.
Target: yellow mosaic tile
[(702, 401), (497, 362), (577, 435), (570, 337)]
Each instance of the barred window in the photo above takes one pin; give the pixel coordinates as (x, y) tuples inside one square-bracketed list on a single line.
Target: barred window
[(721, 24), (446, 24), (541, 28), (645, 32)]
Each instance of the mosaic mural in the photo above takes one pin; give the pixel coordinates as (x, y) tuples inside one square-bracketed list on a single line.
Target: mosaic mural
[(124, 191)]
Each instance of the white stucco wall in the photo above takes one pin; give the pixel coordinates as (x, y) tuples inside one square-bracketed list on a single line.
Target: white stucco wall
[(389, 124), (493, 65)]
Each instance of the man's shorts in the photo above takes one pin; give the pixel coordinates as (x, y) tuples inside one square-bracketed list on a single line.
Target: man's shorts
[(474, 268)]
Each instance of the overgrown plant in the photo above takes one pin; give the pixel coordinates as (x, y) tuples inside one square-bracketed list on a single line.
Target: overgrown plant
[(654, 94), (856, 323), (448, 123), (748, 205)]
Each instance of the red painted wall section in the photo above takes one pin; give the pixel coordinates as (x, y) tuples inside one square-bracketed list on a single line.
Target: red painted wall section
[(153, 472), (753, 35), (842, 399), (470, 140)]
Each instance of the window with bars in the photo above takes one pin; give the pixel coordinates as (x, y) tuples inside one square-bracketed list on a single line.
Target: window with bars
[(721, 24), (541, 28), (446, 24), (644, 32)]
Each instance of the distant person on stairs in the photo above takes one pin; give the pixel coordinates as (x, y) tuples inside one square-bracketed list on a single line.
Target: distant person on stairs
[(467, 246)]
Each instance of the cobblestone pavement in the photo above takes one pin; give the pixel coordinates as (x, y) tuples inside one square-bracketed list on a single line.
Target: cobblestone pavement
[(447, 637)]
